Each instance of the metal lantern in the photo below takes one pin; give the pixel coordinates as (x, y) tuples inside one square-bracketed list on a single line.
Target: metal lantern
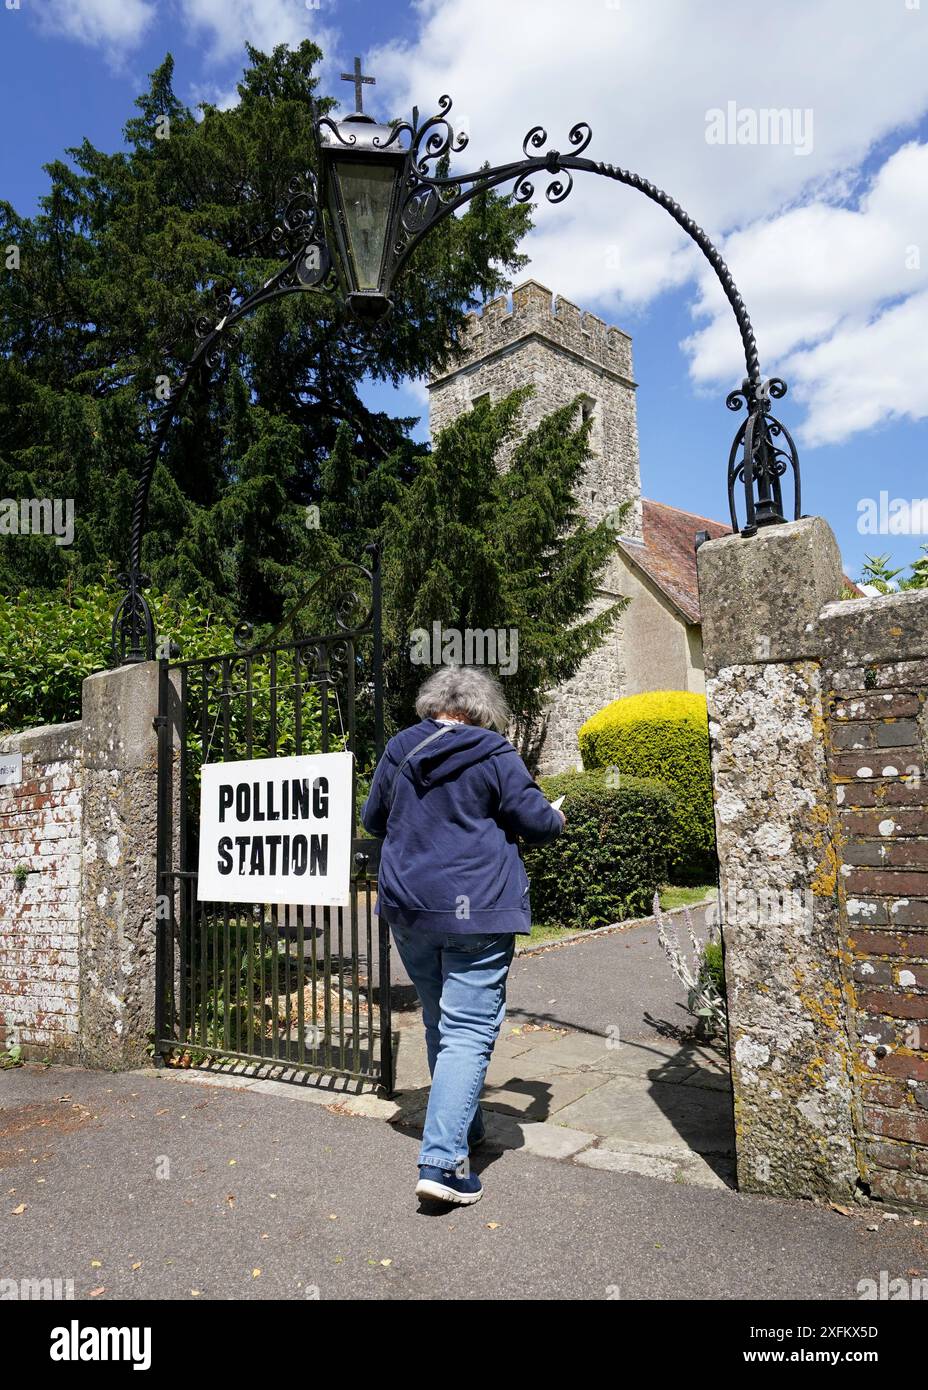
[(363, 166)]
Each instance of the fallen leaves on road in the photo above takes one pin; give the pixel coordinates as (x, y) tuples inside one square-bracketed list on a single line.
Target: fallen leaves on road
[(95, 1293), (18, 1211)]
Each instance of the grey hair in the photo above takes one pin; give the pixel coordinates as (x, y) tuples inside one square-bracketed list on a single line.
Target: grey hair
[(467, 690)]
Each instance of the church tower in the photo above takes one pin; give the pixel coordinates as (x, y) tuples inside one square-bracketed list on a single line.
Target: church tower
[(563, 353)]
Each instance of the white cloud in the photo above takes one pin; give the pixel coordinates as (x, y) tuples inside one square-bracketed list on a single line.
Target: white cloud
[(113, 25), (866, 374), (222, 97), (828, 287), (118, 26), (848, 74), (229, 24)]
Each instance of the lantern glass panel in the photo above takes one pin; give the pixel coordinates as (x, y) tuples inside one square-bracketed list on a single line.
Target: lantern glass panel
[(367, 193)]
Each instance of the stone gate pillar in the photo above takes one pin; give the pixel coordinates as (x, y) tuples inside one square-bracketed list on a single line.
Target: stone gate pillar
[(117, 930), (779, 853)]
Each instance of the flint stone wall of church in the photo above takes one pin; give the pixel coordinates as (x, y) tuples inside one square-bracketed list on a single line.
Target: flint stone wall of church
[(563, 353)]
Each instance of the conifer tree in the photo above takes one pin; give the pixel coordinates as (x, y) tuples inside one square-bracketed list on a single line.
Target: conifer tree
[(113, 272), (489, 535)]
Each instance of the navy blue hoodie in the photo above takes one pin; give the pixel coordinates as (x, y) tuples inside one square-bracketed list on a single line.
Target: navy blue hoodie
[(451, 862)]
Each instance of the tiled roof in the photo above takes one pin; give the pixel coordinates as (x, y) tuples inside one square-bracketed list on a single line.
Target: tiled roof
[(668, 555)]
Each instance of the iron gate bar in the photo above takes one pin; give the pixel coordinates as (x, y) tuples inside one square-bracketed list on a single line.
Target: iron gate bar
[(233, 979)]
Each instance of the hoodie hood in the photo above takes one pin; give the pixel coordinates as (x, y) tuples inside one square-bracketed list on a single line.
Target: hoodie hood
[(459, 747)]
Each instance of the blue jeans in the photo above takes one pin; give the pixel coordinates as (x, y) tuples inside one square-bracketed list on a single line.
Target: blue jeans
[(461, 981)]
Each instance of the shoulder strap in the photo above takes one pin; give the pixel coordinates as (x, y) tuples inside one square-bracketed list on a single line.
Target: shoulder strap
[(431, 739)]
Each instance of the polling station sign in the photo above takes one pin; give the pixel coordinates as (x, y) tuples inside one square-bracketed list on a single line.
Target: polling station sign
[(276, 830)]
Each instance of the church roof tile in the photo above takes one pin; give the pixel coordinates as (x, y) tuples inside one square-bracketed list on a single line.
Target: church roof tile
[(668, 553)]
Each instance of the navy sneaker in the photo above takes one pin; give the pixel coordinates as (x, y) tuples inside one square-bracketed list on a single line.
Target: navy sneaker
[(445, 1185)]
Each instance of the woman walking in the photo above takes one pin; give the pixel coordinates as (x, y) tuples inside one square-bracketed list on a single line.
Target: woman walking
[(452, 797)]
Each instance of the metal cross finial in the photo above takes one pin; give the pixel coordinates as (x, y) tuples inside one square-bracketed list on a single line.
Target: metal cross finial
[(357, 78)]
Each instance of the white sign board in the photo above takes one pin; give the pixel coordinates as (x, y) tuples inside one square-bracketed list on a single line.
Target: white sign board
[(11, 769), (276, 830)]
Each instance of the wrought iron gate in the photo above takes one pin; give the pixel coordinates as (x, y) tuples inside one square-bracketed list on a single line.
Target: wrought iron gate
[(301, 987)]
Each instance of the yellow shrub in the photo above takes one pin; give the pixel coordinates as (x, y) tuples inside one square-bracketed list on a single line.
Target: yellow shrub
[(663, 734)]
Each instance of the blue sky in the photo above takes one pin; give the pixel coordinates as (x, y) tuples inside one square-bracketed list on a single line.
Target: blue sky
[(824, 224)]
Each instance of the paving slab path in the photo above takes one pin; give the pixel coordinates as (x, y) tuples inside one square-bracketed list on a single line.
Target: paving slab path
[(595, 1063)]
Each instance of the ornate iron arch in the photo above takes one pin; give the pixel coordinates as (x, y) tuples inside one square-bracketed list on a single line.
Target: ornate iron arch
[(763, 449)]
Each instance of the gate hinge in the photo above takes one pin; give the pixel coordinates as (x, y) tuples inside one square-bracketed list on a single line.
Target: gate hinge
[(159, 721)]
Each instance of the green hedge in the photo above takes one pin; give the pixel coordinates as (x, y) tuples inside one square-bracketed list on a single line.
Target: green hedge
[(611, 857), (663, 734), (50, 641)]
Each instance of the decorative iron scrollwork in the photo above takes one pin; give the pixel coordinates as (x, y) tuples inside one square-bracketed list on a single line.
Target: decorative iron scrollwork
[(339, 589), (429, 195), (133, 629), (242, 635), (762, 452)]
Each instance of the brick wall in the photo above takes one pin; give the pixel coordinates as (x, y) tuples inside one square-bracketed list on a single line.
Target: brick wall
[(77, 959), (878, 721), (40, 829)]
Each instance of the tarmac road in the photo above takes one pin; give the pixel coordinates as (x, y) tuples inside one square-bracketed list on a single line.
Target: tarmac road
[(200, 1186)]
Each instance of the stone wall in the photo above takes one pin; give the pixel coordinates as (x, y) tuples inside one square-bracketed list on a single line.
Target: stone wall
[(563, 353), (819, 733), (40, 830), (77, 935), (549, 344)]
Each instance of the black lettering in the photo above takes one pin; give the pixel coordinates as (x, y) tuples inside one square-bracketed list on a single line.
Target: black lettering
[(241, 842), (257, 856), (321, 797), (299, 854), (300, 801), (272, 841), (272, 813), (225, 799), (256, 812), (224, 849), (318, 854), (242, 801)]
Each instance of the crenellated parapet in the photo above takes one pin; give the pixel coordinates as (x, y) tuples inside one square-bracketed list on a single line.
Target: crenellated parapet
[(535, 310)]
